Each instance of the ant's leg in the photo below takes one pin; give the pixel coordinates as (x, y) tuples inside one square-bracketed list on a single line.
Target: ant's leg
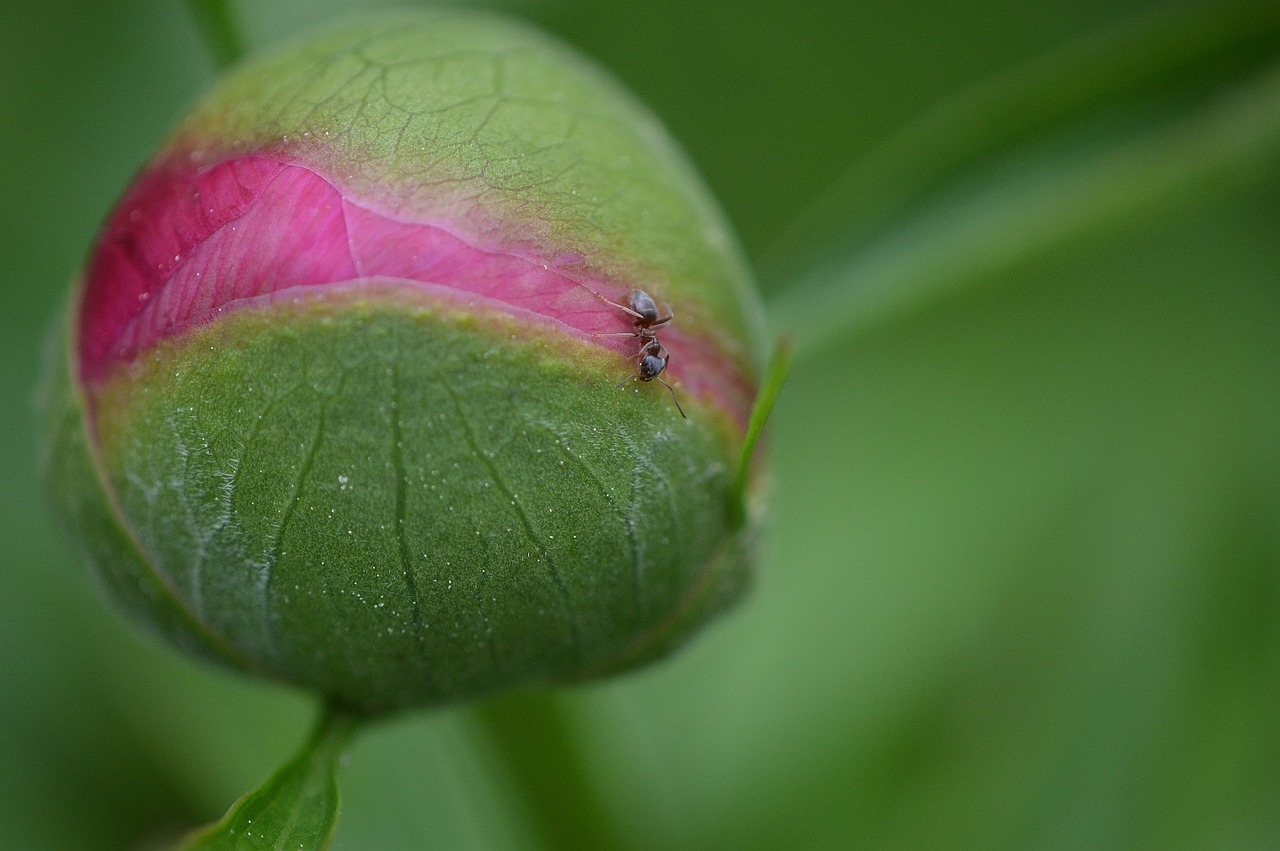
[(621, 307), (666, 320)]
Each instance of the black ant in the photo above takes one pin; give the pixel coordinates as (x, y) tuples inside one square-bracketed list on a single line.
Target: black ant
[(653, 355)]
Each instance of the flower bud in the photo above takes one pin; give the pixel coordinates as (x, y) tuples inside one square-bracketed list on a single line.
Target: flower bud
[(358, 391)]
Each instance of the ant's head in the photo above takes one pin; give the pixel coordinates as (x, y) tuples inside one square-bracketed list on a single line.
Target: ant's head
[(652, 364)]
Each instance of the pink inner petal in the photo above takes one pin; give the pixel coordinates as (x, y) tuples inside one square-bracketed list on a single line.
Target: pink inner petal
[(184, 244)]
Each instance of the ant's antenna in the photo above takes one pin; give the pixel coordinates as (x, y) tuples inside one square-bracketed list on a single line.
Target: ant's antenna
[(674, 397)]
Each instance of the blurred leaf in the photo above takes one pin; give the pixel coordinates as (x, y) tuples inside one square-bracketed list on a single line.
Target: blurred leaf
[(1023, 587), (297, 807), (221, 31), (1128, 128)]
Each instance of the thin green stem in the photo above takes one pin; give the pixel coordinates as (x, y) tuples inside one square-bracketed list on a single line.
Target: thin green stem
[(531, 733), (220, 29)]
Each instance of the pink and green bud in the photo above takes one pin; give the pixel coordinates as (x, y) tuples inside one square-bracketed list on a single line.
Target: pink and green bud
[(340, 400)]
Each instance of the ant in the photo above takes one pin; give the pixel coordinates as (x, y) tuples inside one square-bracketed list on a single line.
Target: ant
[(653, 355)]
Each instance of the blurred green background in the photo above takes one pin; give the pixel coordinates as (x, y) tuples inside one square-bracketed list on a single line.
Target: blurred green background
[(1022, 587)]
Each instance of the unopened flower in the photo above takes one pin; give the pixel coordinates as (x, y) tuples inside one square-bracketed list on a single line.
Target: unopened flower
[(355, 391)]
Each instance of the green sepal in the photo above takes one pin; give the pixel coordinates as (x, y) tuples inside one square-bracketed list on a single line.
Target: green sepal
[(774, 376), (396, 503), (99, 533), (295, 808)]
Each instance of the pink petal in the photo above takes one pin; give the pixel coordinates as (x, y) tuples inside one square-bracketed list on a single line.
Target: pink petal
[(186, 244)]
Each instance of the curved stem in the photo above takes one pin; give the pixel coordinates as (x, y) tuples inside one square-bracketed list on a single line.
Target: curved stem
[(220, 29)]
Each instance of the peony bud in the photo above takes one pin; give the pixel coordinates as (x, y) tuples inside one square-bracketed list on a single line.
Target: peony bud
[(345, 397)]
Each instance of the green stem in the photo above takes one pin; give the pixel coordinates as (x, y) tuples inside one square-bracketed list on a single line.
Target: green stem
[(221, 31), (531, 733), (297, 807)]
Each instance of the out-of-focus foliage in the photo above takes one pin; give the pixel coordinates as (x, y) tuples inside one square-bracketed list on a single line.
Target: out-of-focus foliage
[(1023, 582)]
